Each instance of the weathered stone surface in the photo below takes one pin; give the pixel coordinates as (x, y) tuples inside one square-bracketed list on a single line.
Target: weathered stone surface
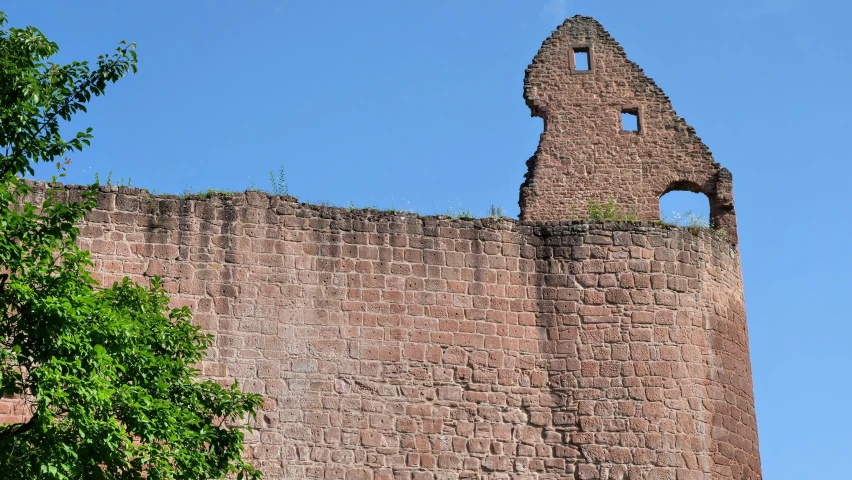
[(428, 366), (585, 154), (392, 346)]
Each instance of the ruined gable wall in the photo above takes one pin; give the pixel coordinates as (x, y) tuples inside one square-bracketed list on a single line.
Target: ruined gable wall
[(585, 155), (405, 347)]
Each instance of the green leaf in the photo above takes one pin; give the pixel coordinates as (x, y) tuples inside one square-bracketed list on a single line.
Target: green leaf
[(110, 371)]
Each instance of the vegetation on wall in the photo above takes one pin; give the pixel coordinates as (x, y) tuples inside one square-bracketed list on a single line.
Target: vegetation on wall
[(608, 211), (694, 223), (106, 372)]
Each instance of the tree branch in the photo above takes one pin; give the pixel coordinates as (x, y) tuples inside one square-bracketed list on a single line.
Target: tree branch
[(52, 117), (11, 431)]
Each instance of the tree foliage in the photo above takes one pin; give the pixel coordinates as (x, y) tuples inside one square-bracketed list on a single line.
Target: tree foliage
[(108, 372)]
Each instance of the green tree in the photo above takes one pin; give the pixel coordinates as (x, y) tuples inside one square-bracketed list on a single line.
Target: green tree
[(108, 372)]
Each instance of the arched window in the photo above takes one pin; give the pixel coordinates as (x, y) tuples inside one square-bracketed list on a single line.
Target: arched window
[(686, 203), (684, 207)]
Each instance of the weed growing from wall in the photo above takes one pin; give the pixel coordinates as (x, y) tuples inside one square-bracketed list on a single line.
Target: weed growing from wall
[(279, 182), (495, 212), (210, 192), (694, 223), (608, 211), (463, 214), (120, 183)]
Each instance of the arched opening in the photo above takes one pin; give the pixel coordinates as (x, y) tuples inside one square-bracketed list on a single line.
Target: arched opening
[(687, 204), (685, 208)]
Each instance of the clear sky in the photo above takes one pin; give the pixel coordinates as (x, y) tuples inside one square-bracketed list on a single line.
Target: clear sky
[(418, 105)]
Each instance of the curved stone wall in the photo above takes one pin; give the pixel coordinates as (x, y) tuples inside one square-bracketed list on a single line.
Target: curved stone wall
[(403, 347), (400, 347)]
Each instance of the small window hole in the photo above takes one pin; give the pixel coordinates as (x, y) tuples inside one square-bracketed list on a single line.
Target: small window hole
[(630, 120), (581, 60)]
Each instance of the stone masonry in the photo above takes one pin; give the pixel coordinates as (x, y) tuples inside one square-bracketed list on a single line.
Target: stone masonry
[(585, 154), (402, 347)]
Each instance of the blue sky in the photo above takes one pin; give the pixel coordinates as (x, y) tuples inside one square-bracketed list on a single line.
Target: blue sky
[(418, 105)]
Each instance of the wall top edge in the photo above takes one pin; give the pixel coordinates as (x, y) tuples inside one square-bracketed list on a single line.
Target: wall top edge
[(290, 205)]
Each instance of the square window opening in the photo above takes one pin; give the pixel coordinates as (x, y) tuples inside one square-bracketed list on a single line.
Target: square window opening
[(581, 60), (630, 120)]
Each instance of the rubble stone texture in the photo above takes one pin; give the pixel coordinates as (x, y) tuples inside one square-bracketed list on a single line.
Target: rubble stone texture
[(401, 347), (584, 151)]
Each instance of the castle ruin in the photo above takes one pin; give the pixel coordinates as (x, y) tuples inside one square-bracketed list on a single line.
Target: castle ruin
[(405, 347)]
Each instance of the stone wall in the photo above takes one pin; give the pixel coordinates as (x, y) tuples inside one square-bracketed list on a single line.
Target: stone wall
[(585, 154), (413, 348), (402, 347)]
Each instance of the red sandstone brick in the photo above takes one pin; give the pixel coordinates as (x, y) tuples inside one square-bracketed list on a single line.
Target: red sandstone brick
[(463, 346)]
